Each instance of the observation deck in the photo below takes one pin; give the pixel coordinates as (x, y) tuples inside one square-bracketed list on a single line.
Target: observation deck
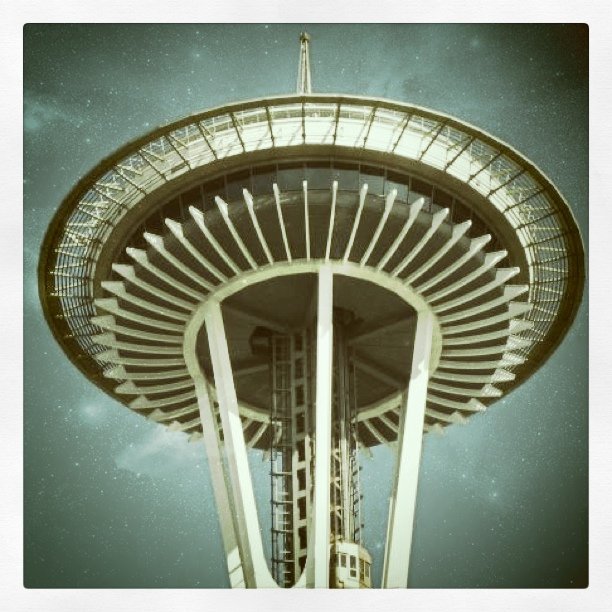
[(450, 182)]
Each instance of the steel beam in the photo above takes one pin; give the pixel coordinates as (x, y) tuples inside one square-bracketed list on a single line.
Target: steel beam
[(256, 572), (218, 473), (403, 499), (318, 551)]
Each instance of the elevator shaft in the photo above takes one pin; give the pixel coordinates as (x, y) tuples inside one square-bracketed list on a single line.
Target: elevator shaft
[(290, 454), (292, 363)]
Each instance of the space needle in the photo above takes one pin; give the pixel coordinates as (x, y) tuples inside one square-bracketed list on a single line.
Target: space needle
[(311, 275)]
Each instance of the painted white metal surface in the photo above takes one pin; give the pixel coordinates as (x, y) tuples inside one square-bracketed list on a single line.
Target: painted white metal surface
[(317, 565), (219, 478), (255, 568), (450, 329), (403, 497), (509, 184)]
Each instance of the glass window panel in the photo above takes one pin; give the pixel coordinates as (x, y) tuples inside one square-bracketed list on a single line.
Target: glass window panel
[(355, 112), (385, 115), (397, 177), (115, 180), (422, 125), (284, 112), (479, 149), (402, 190), (413, 197), (172, 209), (256, 136), (374, 177), (442, 198), (192, 133), (501, 200), (521, 188), (419, 189), (503, 168), (540, 204), (375, 183), (154, 225), (346, 175), (262, 179), (319, 177), (217, 124), (478, 227), (320, 110), (434, 153), (192, 197), (181, 135), (396, 180), (302, 479), (461, 212), (211, 189), (454, 138), (374, 170), (236, 183), (290, 177), (133, 162), (302, 536), (158, 147), (257, 115)]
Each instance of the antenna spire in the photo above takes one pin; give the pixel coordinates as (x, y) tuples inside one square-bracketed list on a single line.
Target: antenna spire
[(304, 85)]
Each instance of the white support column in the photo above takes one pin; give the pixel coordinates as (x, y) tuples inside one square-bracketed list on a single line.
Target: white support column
[(225, 509), (256, 572), (403, 498), (318, 549)]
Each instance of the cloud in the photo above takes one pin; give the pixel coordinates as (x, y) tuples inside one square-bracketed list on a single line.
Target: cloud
[(93, 413), (40, 113), (160, 453)]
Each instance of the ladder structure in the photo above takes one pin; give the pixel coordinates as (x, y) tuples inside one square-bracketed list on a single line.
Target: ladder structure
[(345, 494), (291, 450), (290, 454)]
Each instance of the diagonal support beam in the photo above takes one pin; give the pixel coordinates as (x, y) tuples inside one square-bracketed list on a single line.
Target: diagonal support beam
[(219, 476), (376, 371), (332, 219), (403, 499), (362, 197), (256, 572), (367, 332), (256, 318)]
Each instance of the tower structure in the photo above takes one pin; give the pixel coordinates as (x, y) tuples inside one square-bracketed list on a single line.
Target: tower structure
[(311, 275)]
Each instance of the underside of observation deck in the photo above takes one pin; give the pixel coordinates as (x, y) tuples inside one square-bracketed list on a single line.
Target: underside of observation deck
[(317, 139), (269, 248)]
